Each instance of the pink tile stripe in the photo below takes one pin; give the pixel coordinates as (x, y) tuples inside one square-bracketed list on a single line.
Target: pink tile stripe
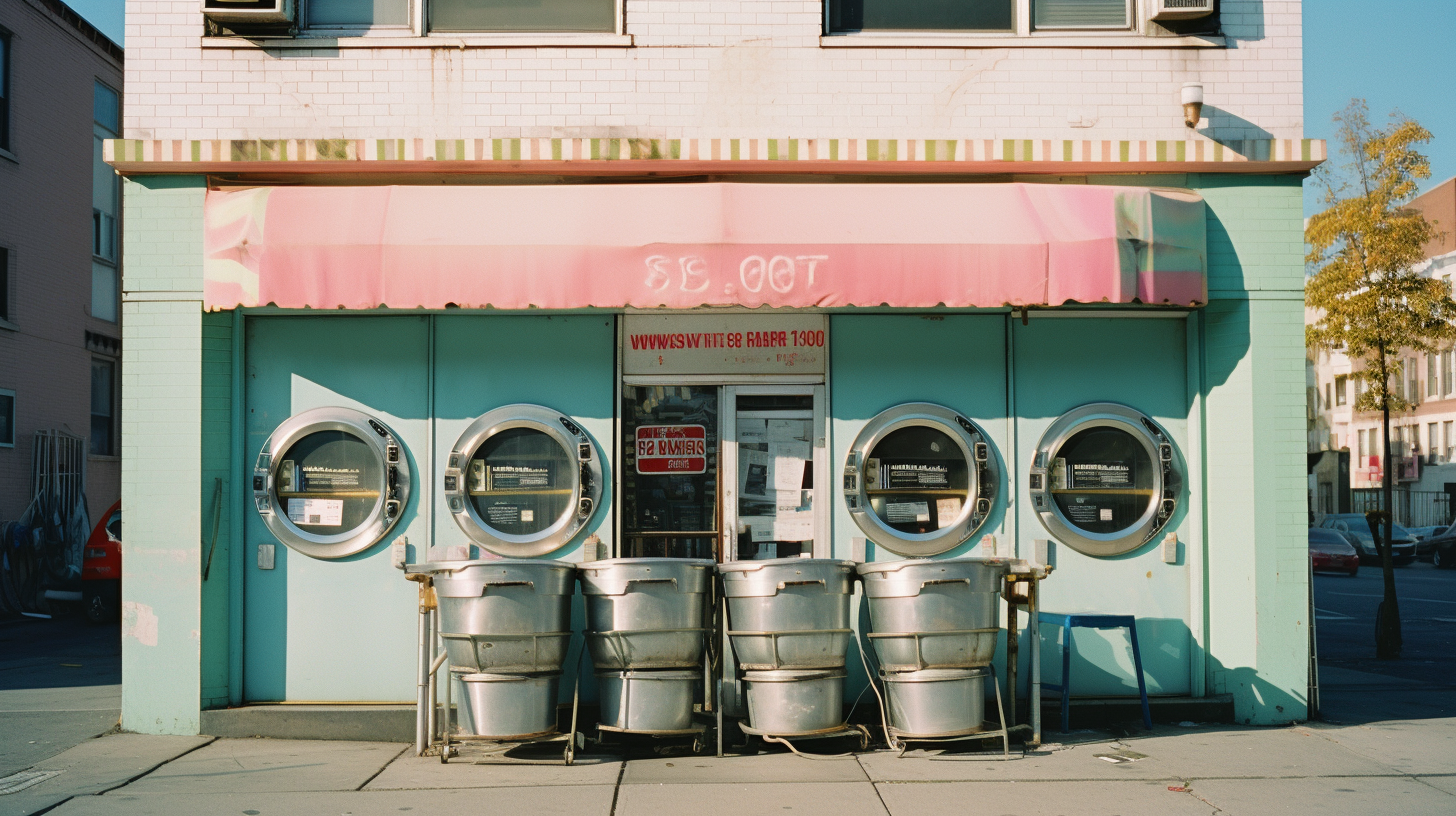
[(688, 245)]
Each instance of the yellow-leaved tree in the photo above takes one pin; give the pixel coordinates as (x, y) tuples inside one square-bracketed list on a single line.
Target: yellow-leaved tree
[(1370, 300)]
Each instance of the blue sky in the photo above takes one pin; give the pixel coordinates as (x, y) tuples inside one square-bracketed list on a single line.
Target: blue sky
[(1396, 54)]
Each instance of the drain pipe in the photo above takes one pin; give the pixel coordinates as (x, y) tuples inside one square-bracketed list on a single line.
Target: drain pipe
[(431, 694), (422, 684), (1033, 626)]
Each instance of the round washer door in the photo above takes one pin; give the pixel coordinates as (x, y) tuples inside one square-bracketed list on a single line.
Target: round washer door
[(1105, 480), (920, 479), (331, 482), (523, 480)]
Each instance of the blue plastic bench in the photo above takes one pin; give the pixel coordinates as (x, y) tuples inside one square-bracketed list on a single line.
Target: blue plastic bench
[(1070, 622)]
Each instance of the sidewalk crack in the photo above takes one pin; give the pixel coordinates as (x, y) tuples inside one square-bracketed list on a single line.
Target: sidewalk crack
[(128, 780), (617, 789), (386, 764)]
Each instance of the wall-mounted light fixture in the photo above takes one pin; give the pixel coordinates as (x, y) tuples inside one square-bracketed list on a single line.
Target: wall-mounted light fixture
[(1192, 103)]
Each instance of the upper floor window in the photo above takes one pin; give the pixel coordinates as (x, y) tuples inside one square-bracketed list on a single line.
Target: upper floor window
[(921, 15), (977, 15), (7, 418), (103, 407), (5, 284), (105, 205), (523, 15), (1340, 390), (469, 15), (1115, 14), (4, 89)]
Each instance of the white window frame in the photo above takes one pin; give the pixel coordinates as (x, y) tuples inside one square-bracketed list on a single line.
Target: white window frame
[(416, 34), (1138, 34), (14, 411)]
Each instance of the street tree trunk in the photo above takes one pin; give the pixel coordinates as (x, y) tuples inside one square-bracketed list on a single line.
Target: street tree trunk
[(1387, 616)]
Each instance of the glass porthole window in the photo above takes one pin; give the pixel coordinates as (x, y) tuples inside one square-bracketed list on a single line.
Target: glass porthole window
[(523, 480), (331, 482), (920, 479), (1105, 480)]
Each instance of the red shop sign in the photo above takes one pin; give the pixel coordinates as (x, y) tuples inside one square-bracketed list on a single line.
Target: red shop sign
[(672, 449)]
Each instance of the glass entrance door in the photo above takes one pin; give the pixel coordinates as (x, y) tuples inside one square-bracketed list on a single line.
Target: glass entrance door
[(670, 462), (774, 497), (734, 484)]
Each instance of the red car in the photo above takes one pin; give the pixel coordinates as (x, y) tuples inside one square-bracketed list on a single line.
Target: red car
[(1331, 552), (101, 568)]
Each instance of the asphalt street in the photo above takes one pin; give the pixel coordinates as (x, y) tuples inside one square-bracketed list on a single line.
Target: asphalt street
[(60, 684), (1355, 684)]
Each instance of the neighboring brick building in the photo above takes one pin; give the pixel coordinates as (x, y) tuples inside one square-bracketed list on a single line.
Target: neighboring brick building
[(60, 329), (427, 211)]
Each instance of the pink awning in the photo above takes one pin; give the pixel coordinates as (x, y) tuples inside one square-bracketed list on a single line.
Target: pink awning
[(682, 245)]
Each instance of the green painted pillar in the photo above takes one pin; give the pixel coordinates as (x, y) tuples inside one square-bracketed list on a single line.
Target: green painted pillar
[(161, 454), (1253, 378)]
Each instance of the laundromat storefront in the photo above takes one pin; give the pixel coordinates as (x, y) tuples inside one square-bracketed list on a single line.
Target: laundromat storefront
[(733, 372)]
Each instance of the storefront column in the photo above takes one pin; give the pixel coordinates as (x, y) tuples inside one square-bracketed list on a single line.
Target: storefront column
[(161, 455), (1257, 558)]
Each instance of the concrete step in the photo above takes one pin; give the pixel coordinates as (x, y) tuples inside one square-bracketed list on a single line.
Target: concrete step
[(368, 723)]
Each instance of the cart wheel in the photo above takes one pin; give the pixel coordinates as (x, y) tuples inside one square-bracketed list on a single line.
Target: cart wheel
[(569, 754), (864, 739), (698, 746)]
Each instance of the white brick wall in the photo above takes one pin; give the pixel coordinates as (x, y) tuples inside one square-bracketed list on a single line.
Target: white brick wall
[(710, 69)]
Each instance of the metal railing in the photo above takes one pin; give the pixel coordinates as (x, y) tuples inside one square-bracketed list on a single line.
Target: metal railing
[(1411, 508)]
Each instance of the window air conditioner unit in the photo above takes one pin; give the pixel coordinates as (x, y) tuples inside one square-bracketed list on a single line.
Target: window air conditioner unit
[(263, 12), (1181, 9)]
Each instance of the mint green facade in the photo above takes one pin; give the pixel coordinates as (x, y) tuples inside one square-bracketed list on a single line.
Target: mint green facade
[(203, 391)]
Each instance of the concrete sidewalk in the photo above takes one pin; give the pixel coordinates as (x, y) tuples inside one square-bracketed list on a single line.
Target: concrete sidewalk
[(1406, 767)]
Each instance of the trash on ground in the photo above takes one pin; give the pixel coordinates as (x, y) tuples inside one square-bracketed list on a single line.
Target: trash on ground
[(1120, 756)]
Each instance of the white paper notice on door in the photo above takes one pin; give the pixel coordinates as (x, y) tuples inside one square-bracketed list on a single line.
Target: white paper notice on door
[(788, 473), (787, 430), (320, 512), (754, 475), (753, 430)]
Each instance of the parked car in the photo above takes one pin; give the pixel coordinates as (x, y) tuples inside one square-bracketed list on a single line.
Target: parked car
[(1423, 539), (1355, 528), (1330, 551), (101, 568), (1443, 548)]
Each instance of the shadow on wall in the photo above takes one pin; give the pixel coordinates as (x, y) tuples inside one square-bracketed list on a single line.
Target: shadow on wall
[(1226, 326), (1256, 700), (1229, 129), (1241, 20), (1102, 663)]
